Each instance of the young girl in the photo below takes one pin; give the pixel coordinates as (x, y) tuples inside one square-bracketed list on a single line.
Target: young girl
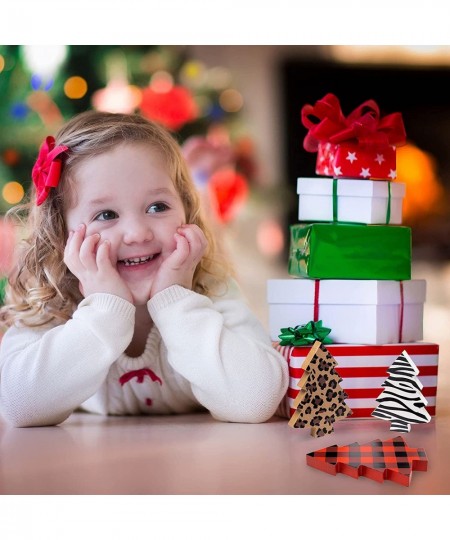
[(120, 303)]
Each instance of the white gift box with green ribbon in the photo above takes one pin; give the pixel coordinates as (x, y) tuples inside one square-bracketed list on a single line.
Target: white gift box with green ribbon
[(372, 202)]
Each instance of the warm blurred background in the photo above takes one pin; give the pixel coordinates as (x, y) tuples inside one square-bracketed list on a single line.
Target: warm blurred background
[(236, 111)]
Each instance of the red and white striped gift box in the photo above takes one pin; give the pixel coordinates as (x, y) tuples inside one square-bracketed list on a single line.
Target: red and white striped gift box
[(363, 369)]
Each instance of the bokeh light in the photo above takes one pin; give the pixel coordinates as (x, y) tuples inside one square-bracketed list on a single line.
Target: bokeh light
[(161, 82), (270, 238), (117, 97), (13, 192), (231, 100), (11, 157), (44, 59), (193, 74), (219, 77), (38, 82), (8, 61), (215, 112), (75, 87), (19, 111)]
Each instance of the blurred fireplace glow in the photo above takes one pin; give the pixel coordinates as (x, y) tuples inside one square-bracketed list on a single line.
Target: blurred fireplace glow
[(425, 195)]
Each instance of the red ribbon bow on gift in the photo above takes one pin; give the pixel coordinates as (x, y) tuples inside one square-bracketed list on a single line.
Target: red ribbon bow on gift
[(363, 125), (47, 169)]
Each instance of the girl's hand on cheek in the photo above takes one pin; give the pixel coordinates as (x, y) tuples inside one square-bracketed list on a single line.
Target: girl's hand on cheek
[(179, 267), (87, 257)]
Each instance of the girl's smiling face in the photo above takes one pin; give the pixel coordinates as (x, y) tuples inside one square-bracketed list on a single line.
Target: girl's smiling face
[(127, 196)]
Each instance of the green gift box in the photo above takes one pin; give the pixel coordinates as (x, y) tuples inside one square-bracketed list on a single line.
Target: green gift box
[(349, 251)]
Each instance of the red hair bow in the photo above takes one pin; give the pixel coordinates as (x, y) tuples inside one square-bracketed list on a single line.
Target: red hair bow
[(326, 123), (47, 169)]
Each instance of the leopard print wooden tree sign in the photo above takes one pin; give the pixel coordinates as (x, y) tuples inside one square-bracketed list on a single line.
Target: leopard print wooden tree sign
[(320, 400)]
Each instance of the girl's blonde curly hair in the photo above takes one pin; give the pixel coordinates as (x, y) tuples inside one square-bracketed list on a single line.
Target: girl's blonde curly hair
[(41, 289)]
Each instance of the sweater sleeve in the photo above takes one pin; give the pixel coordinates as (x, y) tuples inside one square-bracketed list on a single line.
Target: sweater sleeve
[(47, 373), (221, 348)]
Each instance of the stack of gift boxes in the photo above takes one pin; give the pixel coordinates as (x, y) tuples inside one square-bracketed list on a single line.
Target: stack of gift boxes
[(350, 258)]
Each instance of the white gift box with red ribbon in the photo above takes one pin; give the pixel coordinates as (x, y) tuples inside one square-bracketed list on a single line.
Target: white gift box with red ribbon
[(349, 200), (363, 370), (371, 312)]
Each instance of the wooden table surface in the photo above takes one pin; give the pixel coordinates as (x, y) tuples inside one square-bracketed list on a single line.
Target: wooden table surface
[(194, 454)]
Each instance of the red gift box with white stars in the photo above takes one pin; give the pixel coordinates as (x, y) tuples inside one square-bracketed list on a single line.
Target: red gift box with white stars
[(359, 145), (351, 160)]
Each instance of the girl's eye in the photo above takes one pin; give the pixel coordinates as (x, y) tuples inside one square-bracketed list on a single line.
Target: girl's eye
[(157, 207), (105, 215)]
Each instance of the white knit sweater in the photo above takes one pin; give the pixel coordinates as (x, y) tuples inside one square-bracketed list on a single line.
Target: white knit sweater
[(201, 352)]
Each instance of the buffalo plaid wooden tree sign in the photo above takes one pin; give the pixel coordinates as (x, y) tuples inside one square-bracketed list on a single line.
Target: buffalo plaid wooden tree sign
[(378, 460), (401, 401), (320, 400)]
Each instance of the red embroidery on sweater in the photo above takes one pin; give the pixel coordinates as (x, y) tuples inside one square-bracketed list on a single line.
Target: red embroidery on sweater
[(149, 402), (140, 375)]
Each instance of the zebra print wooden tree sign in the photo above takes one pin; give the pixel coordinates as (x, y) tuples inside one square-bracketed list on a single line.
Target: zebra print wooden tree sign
[(401, 401)]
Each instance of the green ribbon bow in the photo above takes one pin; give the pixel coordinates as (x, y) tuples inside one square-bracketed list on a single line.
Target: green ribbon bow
[(305, 334)]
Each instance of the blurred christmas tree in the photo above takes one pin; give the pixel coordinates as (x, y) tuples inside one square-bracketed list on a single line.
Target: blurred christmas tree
[(43, 86)]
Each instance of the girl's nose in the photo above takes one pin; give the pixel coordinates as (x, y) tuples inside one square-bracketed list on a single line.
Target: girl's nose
[(137, 231)]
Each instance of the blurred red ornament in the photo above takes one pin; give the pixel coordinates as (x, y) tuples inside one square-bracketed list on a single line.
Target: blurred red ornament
[(204, 158), (172, 109), (11, 157), (228, 191), (245, 156)]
